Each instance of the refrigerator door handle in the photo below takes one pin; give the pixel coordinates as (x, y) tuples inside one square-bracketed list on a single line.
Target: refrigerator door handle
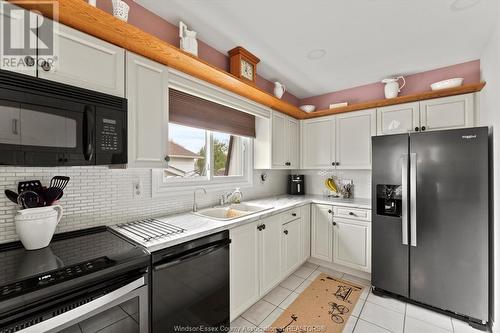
[(404, 197), (413, 199)]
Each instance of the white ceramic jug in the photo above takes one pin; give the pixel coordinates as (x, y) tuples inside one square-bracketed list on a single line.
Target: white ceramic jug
[(36, 226), (188, 39), (392, 88), (279, 89)]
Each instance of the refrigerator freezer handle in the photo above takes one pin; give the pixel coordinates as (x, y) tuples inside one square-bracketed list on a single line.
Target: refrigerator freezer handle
[(413, 199), (404, 197)]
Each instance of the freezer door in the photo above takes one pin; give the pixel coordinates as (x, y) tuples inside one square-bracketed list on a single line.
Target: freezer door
[(449, 231), (390, 250)]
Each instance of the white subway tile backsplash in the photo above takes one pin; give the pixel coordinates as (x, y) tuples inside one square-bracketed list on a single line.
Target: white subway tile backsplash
[(102, 196)]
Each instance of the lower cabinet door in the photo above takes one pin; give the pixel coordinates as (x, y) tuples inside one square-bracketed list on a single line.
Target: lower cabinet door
[(270, 253), (244, 268), (291, 252), (305, 220), (352, 244), (321, 232)]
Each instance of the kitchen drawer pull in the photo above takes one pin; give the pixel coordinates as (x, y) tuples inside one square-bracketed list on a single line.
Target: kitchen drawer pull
[(351, 213), (294, 214)]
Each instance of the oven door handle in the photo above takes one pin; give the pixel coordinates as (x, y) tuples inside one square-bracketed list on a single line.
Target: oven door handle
[(191, 256), (69, 316), (88, 132)]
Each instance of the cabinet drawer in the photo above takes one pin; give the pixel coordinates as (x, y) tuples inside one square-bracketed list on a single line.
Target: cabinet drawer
[(290, 215), (354, 213)]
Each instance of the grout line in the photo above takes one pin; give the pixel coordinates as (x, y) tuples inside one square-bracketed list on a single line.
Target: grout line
[(404, 319)]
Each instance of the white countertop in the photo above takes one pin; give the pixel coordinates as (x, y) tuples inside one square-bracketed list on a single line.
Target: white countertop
[(198, 226)]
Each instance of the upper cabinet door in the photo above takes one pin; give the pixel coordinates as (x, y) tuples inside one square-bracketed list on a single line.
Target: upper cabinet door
[(318, 147), (279, 150), (23, 59), (397, 119), (85, 61), (354, 139), (447, 113), (147, 94), (293, 143)]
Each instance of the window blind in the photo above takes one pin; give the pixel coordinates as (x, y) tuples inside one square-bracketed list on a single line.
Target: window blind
[(193, 111)]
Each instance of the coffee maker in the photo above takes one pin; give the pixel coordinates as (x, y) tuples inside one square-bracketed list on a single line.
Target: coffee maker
[(296, 185)]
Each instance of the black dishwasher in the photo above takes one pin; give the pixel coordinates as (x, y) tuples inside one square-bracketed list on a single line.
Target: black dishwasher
[(190, 286)]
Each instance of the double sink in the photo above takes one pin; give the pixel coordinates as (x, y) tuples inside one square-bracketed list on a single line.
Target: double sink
[(231, 212)]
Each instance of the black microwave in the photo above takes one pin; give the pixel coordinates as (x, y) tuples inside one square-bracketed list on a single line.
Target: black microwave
[(45, 123)]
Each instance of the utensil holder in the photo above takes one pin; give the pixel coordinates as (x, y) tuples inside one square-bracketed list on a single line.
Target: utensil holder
[(36, 226)]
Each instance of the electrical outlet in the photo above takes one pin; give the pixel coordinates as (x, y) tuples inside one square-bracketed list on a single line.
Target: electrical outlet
[(137, 189)]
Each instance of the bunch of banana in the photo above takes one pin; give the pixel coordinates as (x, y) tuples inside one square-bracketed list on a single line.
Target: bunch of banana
[(330, 184)]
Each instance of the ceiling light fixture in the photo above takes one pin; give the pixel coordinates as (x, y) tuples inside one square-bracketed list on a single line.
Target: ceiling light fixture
[(316, 54), (459, 5)]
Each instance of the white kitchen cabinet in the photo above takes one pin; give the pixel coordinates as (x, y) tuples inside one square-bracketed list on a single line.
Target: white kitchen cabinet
[(244, 268), (269, 253), (85, 61), (14, 16), (147, 94), (354, 131), (321, 232), (397, 119), (447, 112), (285, 142), (10, 130), (352, 243), (291, 251), (305, 219), (318, 143)]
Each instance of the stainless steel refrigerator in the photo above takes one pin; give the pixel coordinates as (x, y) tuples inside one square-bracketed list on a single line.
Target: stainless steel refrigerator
[(430, 232)]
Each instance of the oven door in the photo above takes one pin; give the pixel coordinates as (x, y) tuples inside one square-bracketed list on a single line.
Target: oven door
[(122, 308)]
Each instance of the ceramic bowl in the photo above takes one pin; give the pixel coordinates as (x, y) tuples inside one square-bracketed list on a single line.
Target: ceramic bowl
[(446, 84), (308, 108)]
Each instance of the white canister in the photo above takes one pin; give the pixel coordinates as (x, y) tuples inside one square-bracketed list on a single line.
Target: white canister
[(36, 226), (120, 10)]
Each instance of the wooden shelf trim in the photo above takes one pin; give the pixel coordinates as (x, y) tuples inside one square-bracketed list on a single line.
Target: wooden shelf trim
[(465, 89), (93, 21)]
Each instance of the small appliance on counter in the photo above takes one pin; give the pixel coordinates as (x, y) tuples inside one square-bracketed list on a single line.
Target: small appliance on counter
[(296, 185)]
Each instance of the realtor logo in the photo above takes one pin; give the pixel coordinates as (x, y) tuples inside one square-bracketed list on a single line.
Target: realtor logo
[(27, 38)]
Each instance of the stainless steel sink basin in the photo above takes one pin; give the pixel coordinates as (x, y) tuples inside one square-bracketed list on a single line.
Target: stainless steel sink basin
[(231, 212)]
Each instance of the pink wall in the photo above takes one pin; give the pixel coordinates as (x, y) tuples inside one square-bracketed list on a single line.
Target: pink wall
[(155, 25), (415, 83)]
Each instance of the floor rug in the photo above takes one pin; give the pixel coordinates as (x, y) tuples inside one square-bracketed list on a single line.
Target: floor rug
[(324, 306)]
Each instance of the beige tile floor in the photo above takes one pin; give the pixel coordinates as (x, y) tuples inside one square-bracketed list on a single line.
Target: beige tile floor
[(372, 314)]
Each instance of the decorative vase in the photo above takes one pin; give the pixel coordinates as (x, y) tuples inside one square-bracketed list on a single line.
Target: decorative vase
[(392, 88), (279, 89), (120, 10), (36, 226), (188, 39)]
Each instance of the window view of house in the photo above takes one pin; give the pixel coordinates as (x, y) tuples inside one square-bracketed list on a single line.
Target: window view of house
[(190, 158)]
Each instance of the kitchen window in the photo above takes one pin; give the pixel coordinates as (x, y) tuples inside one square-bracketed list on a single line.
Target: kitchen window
[(209, 145)]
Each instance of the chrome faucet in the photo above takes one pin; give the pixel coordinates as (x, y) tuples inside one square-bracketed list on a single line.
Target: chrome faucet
[(195, 206)]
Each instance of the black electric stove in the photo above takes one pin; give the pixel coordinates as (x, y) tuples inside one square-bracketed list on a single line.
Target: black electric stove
[(73, 261)]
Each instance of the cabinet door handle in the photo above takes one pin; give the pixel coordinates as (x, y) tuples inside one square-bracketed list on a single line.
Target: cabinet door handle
[(263, 226), (333, 163), (337, 163), (294, 214), (423, 128), (416, 129), (288, 163), (46, 66), (29, 61), (351, 213), (167, 158), (14, 127), (285, 232), (334, 223), (330, 211)]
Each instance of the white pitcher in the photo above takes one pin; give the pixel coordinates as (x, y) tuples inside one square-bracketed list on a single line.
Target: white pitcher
[(392, 88), (36, 226), (279, 89)]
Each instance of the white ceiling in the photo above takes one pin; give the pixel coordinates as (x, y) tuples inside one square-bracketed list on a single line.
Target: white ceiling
[(365, 40)]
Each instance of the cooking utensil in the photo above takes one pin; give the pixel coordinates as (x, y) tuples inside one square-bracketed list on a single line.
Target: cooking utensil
[(11, 195), (51, 195), (59, 182), (30, 185), (30, 199)]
